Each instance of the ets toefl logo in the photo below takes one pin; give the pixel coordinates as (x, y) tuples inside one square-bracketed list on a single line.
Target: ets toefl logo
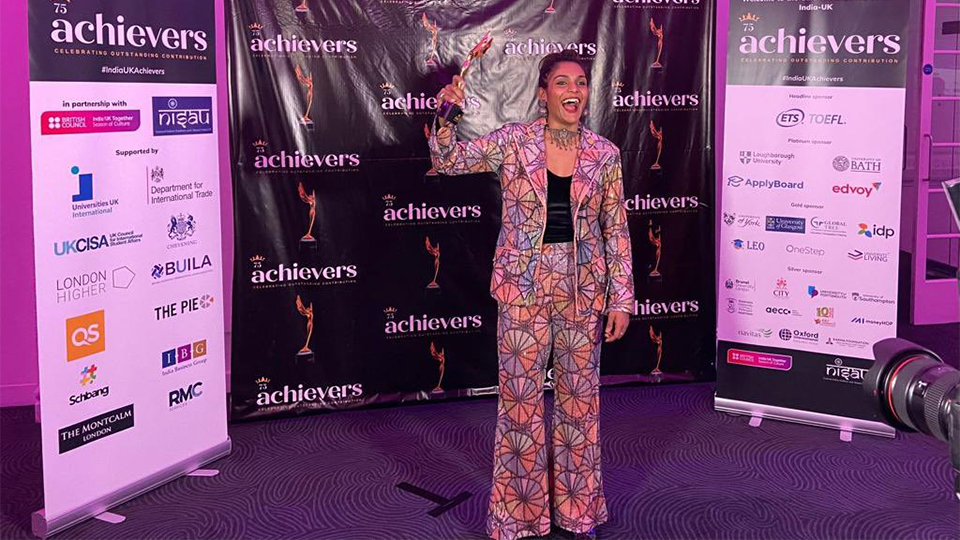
[(796, 117), (284, 161), (426, 325)]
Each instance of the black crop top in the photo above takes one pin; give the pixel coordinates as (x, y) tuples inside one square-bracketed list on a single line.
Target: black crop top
[(559, 223)]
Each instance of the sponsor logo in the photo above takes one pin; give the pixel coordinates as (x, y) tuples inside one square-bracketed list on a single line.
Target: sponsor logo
[(869, 231), (84, 204), (86, 335), (761, 360), (872, 299), (748, 245), (293, 275), (784, 42), (179, 398), (871, 322), (742, 221), (786, 224), (95, 242), (651, 101), (847, 343), (796, 117), (864, 191), (122, 33), (298, 162), (519, 47), (761, 333), (282, 46), (825, 316), (183, 357), (181, 228), (95, 428), (394, 104), (799, 336), (651, 205), (781, 291), (737, 306), (828, 227), (427, 325), (395, 214), (88, 377), (857, 165), (93, 283), (805, 250), (182, 115), (753, 157), (777, 310), (739, 181), (678, 309), (188, 305), (99, 121), (310, 397), (868, 256), (740, 285), (814, 292), (837, 372), (181, 268), (162, 191)]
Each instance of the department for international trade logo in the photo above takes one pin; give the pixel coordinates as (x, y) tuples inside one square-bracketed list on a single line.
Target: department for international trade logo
[(86, 335), (191, 115)]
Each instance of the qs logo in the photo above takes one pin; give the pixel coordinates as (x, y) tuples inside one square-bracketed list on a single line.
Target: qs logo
[(86, 335)]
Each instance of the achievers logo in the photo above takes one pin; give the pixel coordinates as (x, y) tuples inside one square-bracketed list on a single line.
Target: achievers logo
[(638, 101), (295, 275), (395, 214), (427, 325), (296, 162), (314, 397)]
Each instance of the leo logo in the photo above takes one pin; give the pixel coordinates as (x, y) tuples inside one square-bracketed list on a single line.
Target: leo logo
[(86, 335)]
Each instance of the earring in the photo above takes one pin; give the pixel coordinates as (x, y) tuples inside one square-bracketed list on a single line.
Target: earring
[(543, 108)]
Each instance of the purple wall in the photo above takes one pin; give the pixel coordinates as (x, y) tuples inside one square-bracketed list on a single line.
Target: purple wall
[(18, 333)]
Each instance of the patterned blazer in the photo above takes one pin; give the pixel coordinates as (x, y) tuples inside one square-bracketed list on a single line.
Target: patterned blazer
[(604, 276)]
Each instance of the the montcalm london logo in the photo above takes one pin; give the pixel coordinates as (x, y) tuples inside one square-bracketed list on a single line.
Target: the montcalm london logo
[(516, 45), (268, 276), (396, 103), (641, 101), (398, 214), (267, 162), (269, 45), (399, 327), (299, 396), (657, 4), (119, 33)]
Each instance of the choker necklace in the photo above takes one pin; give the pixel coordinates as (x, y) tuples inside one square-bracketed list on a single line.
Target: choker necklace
[(564, 139)]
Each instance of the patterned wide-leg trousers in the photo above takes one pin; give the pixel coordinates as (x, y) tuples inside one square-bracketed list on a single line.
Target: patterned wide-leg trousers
[(525, 484)]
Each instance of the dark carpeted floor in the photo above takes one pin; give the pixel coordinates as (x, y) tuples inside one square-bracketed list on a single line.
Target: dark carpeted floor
[(673, 468)]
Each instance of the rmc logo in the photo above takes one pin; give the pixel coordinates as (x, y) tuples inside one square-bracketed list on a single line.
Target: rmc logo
[(183, 395)]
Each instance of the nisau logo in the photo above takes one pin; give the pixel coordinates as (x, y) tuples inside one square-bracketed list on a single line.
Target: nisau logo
[(182, 115), (796, 117)]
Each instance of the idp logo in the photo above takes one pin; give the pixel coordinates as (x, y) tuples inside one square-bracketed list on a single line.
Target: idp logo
[(790, 118), (86, 335), (877, 230)]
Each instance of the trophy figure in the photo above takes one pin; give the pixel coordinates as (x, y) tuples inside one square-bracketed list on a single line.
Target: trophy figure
[(659, 33), (657, 340), (434, 30), (435, 251), (305, 353), (302, 8), (308, 242), (656, 239), (432, 172), (658, 135), (306, 82), (448, 111), (441, 358), (549, 8)]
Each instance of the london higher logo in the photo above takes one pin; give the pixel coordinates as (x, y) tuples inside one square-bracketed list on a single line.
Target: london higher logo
[(267, 162), (641, 101)]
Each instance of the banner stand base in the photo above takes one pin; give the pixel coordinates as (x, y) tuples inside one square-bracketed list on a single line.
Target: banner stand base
[(829, 421), (204, 473), (44, 528), (110, 517)]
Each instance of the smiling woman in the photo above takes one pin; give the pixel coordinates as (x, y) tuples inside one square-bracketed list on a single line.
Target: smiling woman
[(562, 260)]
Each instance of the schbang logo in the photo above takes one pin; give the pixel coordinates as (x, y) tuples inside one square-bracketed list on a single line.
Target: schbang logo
[(266, 163), (182, 115), (395, 214), (649, 101)]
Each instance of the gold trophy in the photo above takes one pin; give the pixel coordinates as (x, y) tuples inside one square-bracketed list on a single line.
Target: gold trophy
[(441, 358), (656, 239), (450, 112), (426, 133), (307, 83), (305, 353), (302, 8), (308, 241), (658, 135), (549, 8), (434, 30), (659, 33), (435, 251), (657, 340)]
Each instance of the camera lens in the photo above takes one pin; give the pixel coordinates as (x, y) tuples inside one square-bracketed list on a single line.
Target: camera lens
[(915, 389)]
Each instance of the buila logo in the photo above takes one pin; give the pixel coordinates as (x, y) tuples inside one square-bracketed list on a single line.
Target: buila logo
[(296, 162), (428, 325), (637, 101), (395, 214), (394, 104)]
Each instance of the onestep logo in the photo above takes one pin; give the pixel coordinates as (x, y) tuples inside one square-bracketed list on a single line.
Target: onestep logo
[(86, 335)]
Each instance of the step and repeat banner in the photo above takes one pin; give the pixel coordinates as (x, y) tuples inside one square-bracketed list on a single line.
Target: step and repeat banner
[(126, 215), (361, 275), (811, 202)]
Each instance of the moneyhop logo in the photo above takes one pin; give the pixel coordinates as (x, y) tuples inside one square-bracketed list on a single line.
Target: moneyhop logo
[(795, 117)]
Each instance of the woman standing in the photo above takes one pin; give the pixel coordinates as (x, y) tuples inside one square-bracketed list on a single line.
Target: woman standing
[(562, 261)]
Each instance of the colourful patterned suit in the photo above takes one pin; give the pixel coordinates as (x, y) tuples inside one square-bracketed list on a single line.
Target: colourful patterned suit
[(550, 296)]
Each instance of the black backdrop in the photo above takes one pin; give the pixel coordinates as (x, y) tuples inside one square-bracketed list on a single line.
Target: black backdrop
[(379, 333)]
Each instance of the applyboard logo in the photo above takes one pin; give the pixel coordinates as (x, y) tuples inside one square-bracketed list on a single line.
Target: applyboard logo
[(296, 162), (395, 214), (786, 43), (294, 275), (796, 117), (120, 34), (299, 396), (739, 181), (425, 325), (650, 101)]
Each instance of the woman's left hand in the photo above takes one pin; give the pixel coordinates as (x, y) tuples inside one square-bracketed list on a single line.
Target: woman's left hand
[(617, 322)]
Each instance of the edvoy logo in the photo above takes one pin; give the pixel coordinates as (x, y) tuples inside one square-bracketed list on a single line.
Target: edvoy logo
[(796, 117)]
